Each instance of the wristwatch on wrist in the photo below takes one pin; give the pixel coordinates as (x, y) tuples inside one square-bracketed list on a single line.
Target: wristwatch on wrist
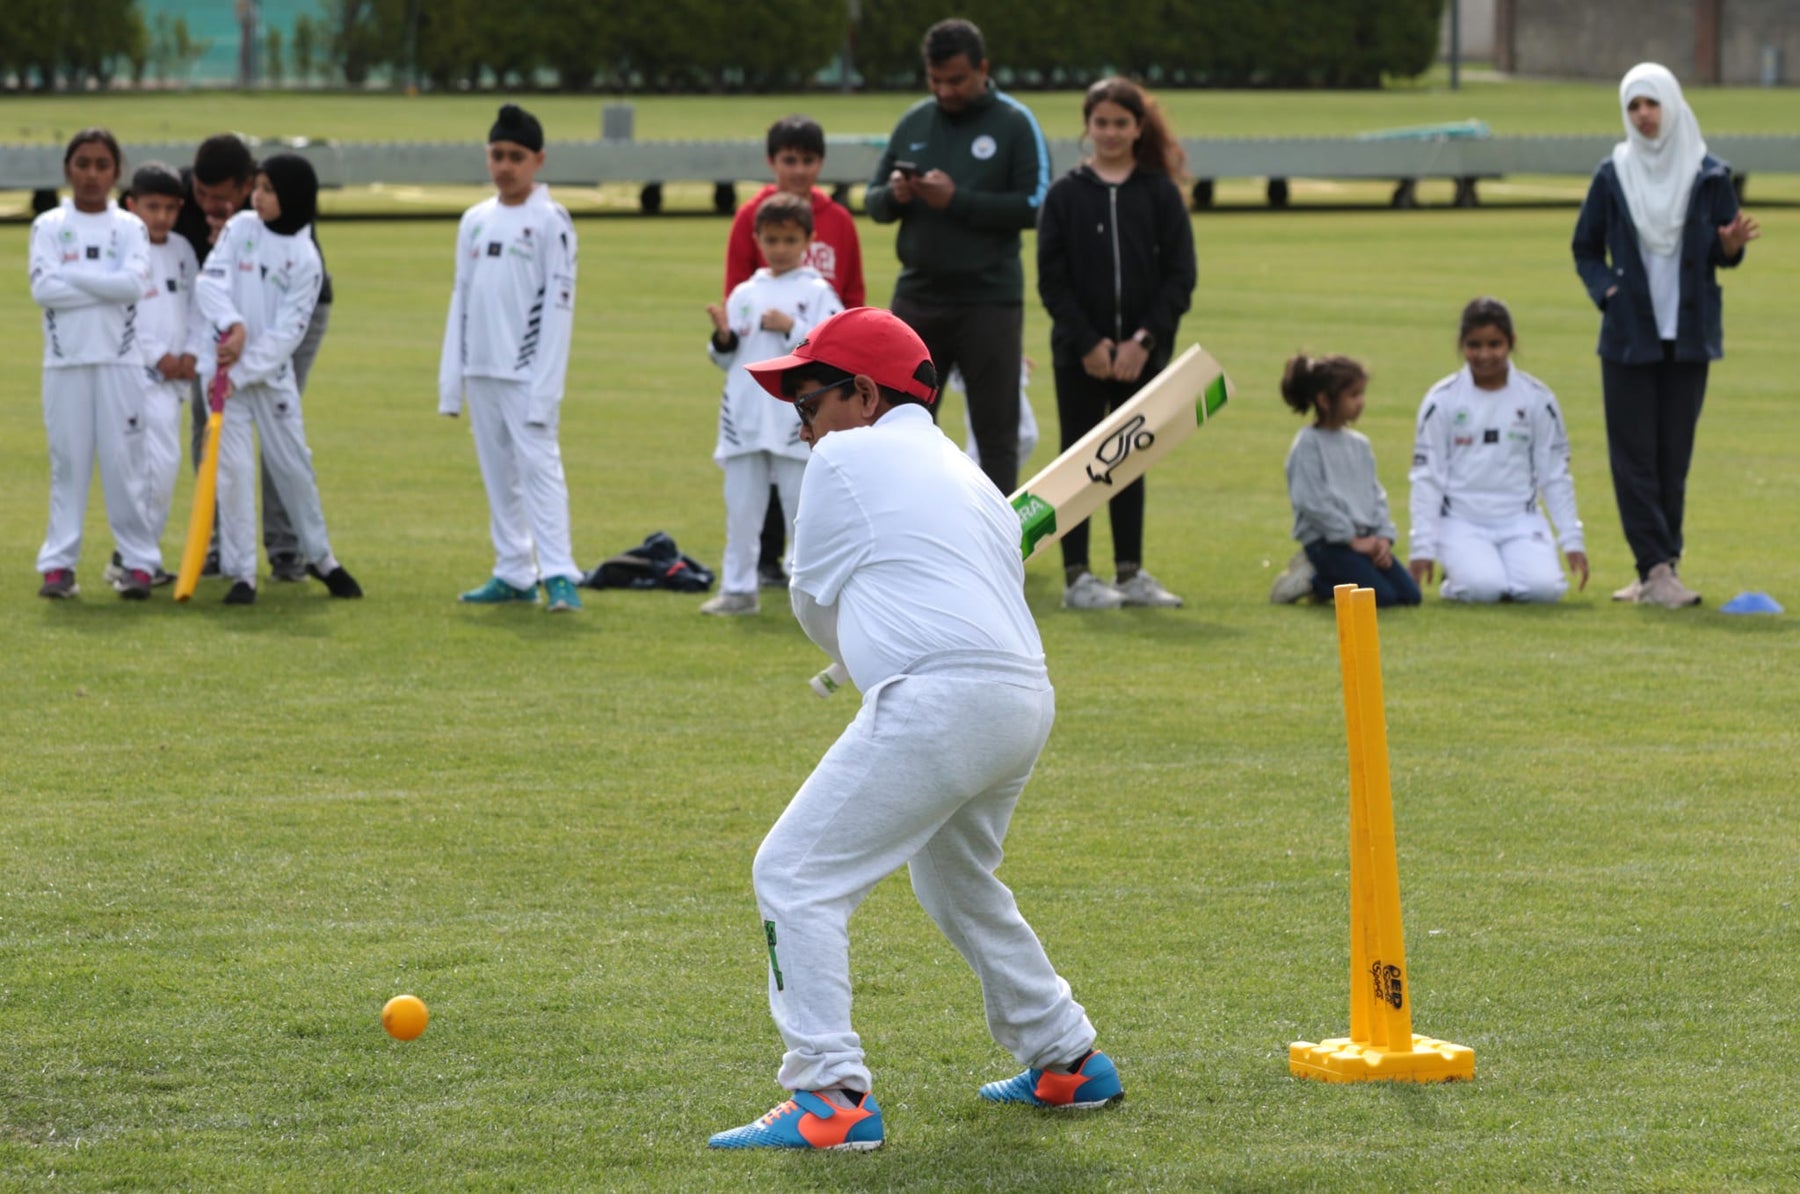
[(1145, 340)]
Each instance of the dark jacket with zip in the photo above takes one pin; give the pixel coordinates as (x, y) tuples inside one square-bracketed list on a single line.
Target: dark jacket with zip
[(1113, 258), (966, 253), (1628, 320)]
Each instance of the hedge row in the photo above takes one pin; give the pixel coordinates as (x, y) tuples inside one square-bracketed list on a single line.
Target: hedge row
[(727, 45)]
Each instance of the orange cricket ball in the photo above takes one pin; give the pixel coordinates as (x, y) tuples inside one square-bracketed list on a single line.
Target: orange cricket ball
[(405, 1017)]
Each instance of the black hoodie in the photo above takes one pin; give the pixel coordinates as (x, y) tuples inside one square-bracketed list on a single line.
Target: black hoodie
[(1113, 258)]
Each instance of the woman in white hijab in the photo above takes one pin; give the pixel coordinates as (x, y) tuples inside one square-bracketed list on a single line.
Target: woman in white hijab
[(1660, 217)]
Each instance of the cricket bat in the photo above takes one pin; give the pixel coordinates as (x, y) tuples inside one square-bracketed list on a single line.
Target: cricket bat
[(206, 492), (1168, 409)]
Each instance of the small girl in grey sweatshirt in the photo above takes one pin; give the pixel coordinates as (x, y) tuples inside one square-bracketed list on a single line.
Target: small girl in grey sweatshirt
[(1340, 510)]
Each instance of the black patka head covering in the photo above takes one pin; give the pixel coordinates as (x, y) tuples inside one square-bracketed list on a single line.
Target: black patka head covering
[(297, 189), (520, 127)]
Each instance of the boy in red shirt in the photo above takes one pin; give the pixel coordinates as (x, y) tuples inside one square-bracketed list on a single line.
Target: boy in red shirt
[(796, 154)]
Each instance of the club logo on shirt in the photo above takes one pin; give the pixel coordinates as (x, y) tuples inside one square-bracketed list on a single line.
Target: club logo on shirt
[(93, 252), (174, 286), (983, 148), (1491, 435), (494, 248)]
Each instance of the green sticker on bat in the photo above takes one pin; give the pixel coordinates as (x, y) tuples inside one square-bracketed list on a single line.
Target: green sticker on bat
[(1037, 518), (1211, 400)]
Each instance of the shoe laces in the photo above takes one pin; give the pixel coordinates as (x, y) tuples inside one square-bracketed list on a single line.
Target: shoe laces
[(780, 1111)]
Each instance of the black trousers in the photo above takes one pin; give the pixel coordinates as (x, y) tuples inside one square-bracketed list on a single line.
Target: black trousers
[(1652, 412), (987, 344), (1081, 402)]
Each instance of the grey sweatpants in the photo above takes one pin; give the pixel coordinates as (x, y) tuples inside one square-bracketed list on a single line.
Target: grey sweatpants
[(927, 775)]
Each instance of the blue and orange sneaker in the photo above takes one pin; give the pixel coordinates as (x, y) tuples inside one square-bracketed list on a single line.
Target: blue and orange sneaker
[(1094, 1082), (808, 1121)]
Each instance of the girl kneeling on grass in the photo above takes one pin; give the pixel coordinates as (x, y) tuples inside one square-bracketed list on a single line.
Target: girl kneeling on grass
[(1490, 442), (1340, 510), (257, 292)]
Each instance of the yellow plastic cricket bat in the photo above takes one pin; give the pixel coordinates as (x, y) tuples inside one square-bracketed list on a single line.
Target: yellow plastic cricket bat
[(1115, 453), (206, 492)]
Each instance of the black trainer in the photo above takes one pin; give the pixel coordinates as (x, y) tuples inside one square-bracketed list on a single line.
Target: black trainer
[(242, 593), (338, 581)]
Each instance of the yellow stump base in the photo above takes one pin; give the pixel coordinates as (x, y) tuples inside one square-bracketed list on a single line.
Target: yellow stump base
[(1341, 1059)]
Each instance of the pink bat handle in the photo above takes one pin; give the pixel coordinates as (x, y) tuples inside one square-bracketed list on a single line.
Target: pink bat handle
[(220, 387)]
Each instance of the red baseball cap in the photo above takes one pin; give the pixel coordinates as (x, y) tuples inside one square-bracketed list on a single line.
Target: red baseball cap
[(868, 340)]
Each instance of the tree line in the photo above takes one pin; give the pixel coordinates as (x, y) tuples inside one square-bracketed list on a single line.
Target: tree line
[(629, 46)]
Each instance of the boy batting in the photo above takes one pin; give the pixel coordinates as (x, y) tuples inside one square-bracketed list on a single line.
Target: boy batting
[(906, 571)]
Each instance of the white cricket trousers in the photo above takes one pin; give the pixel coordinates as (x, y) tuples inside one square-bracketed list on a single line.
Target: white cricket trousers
[(528, 498), (89, 411), (163, 403), (747, 481), (1513, 557), (273, 415), (927, 776)]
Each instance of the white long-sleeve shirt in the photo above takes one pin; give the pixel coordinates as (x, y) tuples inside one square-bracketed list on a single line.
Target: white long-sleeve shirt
[(88, 271), (1333, 487), (168, 323), (267, 282), (1488, 455), (512, 305), (749, 419)]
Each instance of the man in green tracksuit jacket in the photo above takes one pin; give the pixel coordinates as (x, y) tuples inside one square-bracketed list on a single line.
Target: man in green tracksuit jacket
[(964, 174)]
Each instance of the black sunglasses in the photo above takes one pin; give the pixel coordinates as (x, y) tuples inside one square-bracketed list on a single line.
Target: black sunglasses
[(805, 405)]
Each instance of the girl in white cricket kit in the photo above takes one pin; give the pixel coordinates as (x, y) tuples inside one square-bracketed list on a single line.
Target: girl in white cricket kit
[(1490, 444), (89, 266), (906, 571), (257, 291), (759, 440), (172, 334), (506, 347)]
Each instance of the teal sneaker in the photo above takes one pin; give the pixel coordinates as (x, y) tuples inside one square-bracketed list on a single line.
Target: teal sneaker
[(809, 1121), (1093, 1083), (498, 592), (563, 597)]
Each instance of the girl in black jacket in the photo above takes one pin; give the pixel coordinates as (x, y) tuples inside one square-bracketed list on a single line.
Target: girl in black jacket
[(1115, 271)]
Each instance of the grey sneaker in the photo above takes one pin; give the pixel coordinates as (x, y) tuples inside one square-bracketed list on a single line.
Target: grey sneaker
[(1295, 582), (1629, 592), (1144, 589), (114, 574), (1090, 592), (1662, 587), (732, 605)]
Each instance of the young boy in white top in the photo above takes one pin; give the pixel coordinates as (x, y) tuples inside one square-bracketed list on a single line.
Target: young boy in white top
[(257, 294), (89, 266), (171, 335), (906, 571), (506, 347), (759, 440)]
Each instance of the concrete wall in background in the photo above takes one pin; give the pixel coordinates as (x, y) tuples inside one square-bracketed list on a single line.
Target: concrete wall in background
[(1477, 18), (1702, 41)]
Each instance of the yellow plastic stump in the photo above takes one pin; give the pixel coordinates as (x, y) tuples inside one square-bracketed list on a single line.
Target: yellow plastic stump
[(1382, 1045)]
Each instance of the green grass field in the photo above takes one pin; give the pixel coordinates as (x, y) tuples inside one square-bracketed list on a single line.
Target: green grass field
[(230, 835)]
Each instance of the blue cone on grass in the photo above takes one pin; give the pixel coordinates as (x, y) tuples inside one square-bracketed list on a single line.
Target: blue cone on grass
[(1751, 603)]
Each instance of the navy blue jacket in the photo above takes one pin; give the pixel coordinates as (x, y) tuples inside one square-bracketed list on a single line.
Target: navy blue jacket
[(1628, 322)]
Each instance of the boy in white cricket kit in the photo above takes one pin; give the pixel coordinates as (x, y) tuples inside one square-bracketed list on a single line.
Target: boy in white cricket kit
[(506, 347), (759, 441), (906, 571), (172, 336), (89, 266), (257, 292)]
